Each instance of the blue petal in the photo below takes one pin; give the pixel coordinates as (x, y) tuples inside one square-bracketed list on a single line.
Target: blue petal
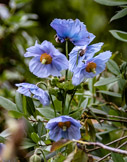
[(38, 69), (24, 91), (55, 133), (104, 56), (42, 96), (74, 133), (92, 49), (34, 51)]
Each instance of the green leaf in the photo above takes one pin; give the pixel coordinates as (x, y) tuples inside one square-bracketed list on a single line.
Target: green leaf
[(15, 114), (120, 14), (117, 157), (19, 101), (113, 67), (84, 103), (120, 35), (35, 137), (97, 111), (111, 2), (110, 93), (106, 81), (7, 104), (46, 112), (27, 144)]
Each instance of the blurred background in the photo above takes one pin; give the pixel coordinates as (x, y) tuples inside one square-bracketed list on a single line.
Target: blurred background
[(24, 21)]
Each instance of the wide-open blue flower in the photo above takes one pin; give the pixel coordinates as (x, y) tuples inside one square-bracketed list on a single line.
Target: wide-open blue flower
[(73, 30), (80, 53), (90, 67), (33, 91), (47, 60), (64, 127)]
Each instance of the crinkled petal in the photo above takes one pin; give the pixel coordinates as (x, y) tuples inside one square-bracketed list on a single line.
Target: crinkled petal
[(74, 30)]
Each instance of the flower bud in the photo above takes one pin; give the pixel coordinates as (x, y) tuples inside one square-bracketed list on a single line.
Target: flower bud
[(35, 158)]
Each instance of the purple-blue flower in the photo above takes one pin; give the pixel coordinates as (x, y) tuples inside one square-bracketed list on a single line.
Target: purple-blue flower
[(73, 30), (47, 60), (34, 91), (90, 67), (64, 127), (80, 53)]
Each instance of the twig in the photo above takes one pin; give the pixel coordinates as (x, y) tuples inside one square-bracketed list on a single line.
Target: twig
[(107, 144), (43, 121), (110, 153), (113, 120), (117, 150)]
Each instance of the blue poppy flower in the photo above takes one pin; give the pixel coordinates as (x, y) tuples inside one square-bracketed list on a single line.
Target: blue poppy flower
[(64, 127), (47, 60), (80, 53), (73, 30), (90, 67), (34, 91)]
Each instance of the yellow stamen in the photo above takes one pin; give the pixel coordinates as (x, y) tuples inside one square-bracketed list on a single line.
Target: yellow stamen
[(64, 125), (91, 66), (45, 58)]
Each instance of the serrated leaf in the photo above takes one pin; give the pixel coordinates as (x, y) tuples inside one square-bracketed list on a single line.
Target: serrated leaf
[(46, 112), (7, 104), (113, 67), (106, 81), (120, 14), (110, 93), (117, 157), (120, 35), (59, 144), (111, 2)]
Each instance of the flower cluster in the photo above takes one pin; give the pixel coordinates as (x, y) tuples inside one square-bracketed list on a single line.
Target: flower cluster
[(48, 61)]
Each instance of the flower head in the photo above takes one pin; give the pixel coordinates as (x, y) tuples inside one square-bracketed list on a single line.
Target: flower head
[(47, 60), (64, 127), (73, 30), (34, 91), (90, 67), (80, 53)]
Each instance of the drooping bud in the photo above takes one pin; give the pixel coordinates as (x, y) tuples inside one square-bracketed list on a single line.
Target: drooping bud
[(57, 39)]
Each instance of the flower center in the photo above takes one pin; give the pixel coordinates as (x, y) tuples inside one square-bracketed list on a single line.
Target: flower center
[(91, 66), (64, 125), (45, 58)]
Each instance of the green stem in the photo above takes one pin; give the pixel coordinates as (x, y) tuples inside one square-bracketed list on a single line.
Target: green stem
[(53, 104), (71, 100), (66, 75)]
